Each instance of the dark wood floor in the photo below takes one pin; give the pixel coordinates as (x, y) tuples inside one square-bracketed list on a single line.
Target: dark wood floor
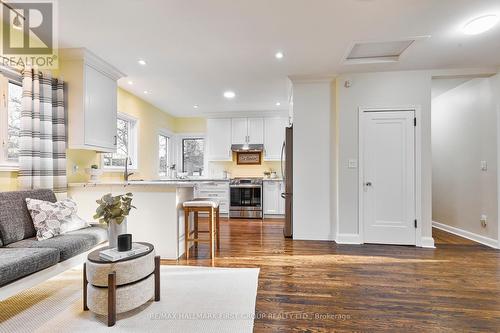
[(312, 286)]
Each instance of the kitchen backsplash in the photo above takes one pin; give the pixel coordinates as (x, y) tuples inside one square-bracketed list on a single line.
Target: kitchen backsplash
[(216, 169)]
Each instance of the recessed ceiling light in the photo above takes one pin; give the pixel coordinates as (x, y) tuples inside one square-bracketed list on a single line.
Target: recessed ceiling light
[(278, 103), (142, 62), (279, 55), (229, 94), (146, 92), (130, 82), (480, 24), (196, 106)]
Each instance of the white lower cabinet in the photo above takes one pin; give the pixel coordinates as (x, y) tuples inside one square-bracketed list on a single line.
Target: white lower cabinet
[(274, 204), (214, 190)]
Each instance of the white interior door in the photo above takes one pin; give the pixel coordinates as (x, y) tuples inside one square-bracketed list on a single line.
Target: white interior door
[(388, 177)]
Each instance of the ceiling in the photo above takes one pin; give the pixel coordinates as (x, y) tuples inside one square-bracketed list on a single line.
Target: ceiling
[(197, 49)]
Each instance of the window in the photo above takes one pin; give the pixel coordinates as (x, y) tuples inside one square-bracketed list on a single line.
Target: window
[(193, 155), (126, 144), (163, 154), (10, 124)]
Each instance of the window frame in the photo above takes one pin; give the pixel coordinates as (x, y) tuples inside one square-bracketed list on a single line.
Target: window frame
[(133, 145), (180, 154), (6, 76), (170, 150)]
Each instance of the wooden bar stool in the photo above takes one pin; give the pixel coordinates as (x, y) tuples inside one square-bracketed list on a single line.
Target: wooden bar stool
[(202, 205)]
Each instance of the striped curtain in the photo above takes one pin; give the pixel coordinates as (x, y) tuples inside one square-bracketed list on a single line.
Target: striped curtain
[(42, 142)]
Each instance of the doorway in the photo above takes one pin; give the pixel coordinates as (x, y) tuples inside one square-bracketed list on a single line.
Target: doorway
[(387, 176)]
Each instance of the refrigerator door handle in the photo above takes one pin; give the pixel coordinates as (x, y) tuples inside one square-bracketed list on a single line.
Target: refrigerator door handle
[(281, 158)]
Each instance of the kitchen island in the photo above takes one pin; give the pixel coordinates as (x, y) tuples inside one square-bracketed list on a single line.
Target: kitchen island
[(159, 217)]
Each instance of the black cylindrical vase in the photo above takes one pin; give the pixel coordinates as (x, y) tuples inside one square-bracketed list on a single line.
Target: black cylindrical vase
[(124, 242)]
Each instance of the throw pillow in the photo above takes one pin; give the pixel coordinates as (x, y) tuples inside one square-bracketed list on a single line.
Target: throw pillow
[(52, 219)]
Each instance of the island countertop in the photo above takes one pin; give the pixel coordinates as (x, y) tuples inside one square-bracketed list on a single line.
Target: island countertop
[(163, 182)]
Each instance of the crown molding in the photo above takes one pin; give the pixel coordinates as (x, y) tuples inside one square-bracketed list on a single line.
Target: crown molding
[(91, 59)]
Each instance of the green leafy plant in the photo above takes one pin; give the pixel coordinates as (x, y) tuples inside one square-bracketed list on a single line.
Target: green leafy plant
[(94, 166), (113, 208)]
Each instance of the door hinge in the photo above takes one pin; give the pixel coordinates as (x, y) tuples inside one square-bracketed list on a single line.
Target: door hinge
[(415, 121), (415, 223)]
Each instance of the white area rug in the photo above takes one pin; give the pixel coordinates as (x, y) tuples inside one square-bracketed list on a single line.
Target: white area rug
[(193, 299)]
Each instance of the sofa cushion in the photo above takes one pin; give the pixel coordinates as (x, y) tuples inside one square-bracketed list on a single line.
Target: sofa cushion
[(15, 219), (17, 263), (69, 244), (54, 218)]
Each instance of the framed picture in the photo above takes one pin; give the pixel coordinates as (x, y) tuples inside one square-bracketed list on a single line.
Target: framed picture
[(250, 158)]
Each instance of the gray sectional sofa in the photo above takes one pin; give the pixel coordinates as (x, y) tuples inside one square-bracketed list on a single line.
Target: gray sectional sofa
[(22, 255)]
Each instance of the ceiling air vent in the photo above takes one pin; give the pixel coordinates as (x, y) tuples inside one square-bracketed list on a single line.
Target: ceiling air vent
[(377, 52)]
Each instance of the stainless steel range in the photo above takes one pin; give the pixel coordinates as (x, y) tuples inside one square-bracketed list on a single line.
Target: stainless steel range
[(246, 198)]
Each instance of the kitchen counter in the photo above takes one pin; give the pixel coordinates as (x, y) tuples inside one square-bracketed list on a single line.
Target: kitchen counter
[(273, 179), (159, 217), (163, 182)]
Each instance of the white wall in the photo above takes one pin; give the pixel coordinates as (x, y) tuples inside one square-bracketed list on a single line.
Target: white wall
[(464, 133), (312, 173), (388, 89)]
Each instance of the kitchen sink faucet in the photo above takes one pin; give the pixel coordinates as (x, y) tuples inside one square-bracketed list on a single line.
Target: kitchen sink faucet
[(127, 174)]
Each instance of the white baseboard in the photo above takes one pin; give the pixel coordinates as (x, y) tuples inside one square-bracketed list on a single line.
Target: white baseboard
[(428, 242), (467, 234), (348, 239)]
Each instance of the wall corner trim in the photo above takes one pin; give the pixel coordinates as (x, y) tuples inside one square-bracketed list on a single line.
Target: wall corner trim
[(348, 239), (427, 242), (467, 234)]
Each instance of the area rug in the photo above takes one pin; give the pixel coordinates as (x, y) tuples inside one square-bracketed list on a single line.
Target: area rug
[(193, 299)]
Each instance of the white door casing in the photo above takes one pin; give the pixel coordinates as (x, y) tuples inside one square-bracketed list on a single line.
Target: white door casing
[(387, 177)]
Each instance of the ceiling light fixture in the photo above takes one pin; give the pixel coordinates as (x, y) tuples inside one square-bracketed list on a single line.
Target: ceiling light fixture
[(279, 55), (146, 92), (480, 24), (278, 104), (196, 106), (130, 82), (229, 94), (142, 62)]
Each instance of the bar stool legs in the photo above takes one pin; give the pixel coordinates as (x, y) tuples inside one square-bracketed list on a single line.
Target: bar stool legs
[(213, 229)]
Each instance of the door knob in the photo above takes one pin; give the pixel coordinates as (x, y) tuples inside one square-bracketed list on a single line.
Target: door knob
[(368, 184)]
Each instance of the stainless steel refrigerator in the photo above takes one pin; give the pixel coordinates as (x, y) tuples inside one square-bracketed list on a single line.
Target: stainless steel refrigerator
[(287, 172)]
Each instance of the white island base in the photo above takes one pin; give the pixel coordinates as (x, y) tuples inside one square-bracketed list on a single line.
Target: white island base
[(158, 219)]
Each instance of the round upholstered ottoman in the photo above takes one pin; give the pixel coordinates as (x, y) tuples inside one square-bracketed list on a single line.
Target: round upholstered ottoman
[(115, 287)]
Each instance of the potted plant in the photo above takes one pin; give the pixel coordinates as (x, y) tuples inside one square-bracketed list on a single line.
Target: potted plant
[(113, 210), (94, 172)]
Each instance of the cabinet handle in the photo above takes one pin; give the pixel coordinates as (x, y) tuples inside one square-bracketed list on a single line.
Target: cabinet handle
[(116, 140)]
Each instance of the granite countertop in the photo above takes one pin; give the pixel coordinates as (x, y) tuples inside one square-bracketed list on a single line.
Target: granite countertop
[(162, 182)]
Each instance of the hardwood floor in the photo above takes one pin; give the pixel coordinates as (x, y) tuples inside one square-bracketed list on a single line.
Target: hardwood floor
[(314, 286)]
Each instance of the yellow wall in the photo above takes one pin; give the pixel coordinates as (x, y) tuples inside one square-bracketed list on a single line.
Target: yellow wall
[(190, 125), (8, 181), (216, 168)]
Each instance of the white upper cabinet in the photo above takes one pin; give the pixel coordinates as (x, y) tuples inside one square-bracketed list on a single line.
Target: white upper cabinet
[(239, 131), (219, 140), (256, 130), (274, 136), (91, 101), (247, 130)]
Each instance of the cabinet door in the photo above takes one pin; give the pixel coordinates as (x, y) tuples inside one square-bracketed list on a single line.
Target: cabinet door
[(281, 201), (256, 130), (239, 131), (271, 193), (219, 140), (274, 136), (100, 110)]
